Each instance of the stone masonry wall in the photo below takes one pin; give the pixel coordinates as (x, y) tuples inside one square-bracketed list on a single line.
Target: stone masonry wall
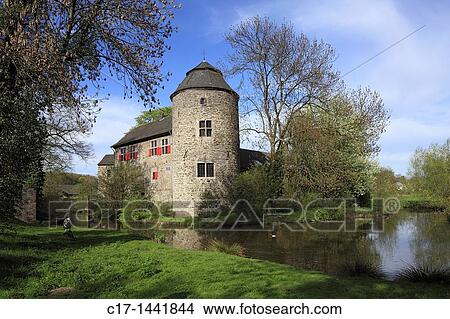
[(222, 148), (162, 187)]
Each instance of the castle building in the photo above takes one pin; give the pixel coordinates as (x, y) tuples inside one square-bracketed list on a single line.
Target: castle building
[(194, 150)]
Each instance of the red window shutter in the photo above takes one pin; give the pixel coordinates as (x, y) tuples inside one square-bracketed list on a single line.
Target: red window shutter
[(127, 156), (135, 155), (149, 152), (168, 149), (118, 156), (158, 150)]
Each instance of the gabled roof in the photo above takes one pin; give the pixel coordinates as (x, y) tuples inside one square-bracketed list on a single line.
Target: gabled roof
[(145, 132), (203, 76), (107, 160)]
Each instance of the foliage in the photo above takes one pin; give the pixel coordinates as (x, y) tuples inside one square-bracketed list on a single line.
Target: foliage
[(430, 171), (361, 266), (20, 136), (53, 56), (417, 202), (282, 72), (329, 151), (118, 264), (124, 181), (221, 247), (255, 186), (385, 183), (155, 115), (425, 273), (87, 186)]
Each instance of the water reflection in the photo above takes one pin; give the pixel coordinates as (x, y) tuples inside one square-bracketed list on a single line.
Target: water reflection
[(408, 238)]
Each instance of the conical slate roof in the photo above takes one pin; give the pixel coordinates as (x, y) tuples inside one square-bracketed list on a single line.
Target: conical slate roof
[(203, 76)]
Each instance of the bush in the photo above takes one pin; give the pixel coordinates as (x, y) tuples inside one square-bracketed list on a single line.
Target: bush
[(255, 186), (362, 266), (221, 247), (425, 273), (138, 210)]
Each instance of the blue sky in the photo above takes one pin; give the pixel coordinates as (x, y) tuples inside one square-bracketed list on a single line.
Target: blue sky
[(413, 77)]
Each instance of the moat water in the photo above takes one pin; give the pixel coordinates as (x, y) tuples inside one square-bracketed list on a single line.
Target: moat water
[(408, 238)]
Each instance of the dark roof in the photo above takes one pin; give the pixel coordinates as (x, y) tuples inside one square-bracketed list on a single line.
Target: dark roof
[(147, 131), (69, 190), (248, 158), (203, 76), (107, 160)]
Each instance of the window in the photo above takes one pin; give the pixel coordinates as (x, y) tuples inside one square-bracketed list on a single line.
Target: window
[(201, 170), (153, 148), (155, 174), (132, 149), (205, 169), (202, 101), (205, 128), (165, 146), (209, 169), (121, 154)]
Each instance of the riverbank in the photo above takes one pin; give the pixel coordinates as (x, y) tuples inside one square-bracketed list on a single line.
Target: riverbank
[(40, 263)]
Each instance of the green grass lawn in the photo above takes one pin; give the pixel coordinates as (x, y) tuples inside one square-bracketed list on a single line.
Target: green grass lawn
[(112, 264)]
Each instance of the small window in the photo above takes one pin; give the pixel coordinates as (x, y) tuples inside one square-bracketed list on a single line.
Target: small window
[(122, 153), (165, 146), (132, 149), (205, 128), (155, 174), (202, 101), (210, 170), (200, 169), (205, 169), (153, 147)]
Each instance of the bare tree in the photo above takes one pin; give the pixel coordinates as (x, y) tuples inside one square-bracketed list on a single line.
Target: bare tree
[(282, 72)]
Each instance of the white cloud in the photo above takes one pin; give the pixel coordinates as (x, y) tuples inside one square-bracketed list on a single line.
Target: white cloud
[(114, 120)]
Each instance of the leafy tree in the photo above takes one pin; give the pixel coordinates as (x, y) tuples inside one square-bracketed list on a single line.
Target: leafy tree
[(149, 116), (385, 183), (430, 171), (254, 186), (54, 56), (87, 187), (122, 182), (329, 151)]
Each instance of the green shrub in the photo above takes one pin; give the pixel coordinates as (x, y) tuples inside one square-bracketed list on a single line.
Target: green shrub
[(361, 266), (221, 247), (138, 210), (254, 186), (425, 273)]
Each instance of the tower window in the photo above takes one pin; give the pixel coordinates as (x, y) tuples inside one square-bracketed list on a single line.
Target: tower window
[(205, 128), (209, 169), (205, 169), (202, 101)]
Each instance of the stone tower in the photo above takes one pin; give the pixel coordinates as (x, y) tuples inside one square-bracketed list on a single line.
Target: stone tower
[(205, 131)]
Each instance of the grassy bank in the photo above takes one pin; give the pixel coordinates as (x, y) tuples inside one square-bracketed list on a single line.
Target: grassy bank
[(422, 203), (41, 263)]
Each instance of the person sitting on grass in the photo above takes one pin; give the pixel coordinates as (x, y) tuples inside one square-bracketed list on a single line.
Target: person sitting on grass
[(67, 225)]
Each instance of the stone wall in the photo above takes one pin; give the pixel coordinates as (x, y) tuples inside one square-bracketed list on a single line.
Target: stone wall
[(26, 212), (161, 187), (222, 148)]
